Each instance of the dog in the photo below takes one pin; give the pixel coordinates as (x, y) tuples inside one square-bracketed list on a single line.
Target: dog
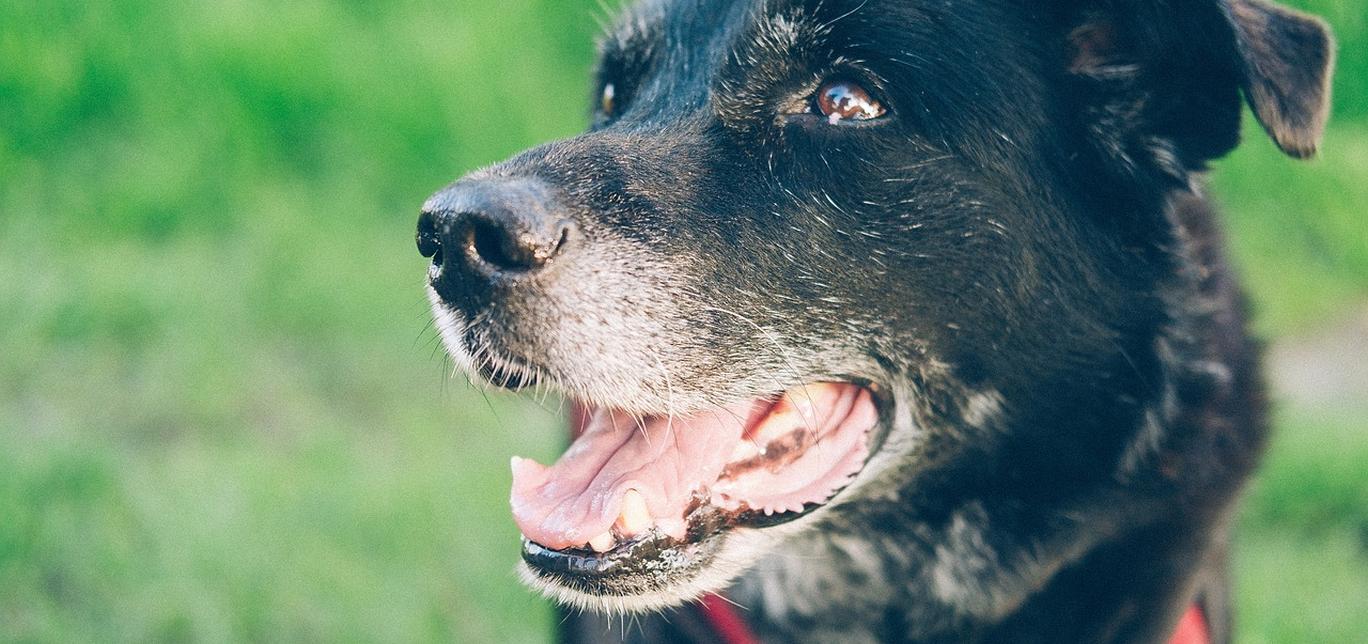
[(885, 320)]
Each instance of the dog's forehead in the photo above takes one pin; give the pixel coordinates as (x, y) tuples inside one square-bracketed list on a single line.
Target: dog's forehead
[(683, 27), (693, 37), (673, 54)]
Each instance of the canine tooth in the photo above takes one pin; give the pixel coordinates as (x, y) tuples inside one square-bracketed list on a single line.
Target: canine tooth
[(804, 398), (635, 518), (603, 542)]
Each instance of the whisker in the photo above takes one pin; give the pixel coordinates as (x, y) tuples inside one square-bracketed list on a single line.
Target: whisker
[(641, 427), (830, 23), (779, 350), (669, 396)]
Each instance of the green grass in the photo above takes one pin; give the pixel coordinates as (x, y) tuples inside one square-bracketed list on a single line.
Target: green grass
[(1302, 549), (221, 417), (1298, 230)]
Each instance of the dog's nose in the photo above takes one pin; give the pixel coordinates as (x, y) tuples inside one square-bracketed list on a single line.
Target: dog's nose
[(493, 229)]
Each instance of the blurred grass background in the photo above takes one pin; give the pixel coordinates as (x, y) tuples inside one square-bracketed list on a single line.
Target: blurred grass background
[(221, 417)]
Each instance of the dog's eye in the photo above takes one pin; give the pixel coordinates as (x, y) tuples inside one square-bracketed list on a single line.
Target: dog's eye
[(846, 101), (608, 101)]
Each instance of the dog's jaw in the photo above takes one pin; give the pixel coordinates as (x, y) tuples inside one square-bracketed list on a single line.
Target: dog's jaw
[(739, 549), (755, 563), (749, 557), (737, 557), (742, 548)]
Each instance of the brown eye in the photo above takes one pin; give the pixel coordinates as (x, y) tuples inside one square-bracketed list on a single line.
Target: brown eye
[(846, 101), (606, 102)]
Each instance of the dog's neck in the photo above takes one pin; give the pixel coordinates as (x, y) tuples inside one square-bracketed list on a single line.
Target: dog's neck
[(894, 568)]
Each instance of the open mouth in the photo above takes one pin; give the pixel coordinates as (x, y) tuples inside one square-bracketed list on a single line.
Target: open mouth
[(635, 495)]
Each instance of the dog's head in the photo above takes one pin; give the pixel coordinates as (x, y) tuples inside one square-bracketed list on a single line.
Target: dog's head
[(810, 248)]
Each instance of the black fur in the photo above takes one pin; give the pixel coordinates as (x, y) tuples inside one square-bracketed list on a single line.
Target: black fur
[(1020, 256)]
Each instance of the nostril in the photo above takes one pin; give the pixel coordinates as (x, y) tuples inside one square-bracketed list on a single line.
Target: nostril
[(501, 248), (515, 248), (564, 229), (428, 238)]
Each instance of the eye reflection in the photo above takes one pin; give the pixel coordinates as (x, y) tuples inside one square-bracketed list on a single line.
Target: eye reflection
[(847, 101), (607, 101)]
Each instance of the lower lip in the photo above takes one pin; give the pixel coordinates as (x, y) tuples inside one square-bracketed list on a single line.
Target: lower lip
[(589, 564)]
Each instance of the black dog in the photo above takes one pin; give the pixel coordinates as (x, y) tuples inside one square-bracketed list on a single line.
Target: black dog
[(892, 320)]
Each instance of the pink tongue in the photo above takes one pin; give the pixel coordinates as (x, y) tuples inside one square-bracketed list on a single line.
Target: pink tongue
[(666, 460)]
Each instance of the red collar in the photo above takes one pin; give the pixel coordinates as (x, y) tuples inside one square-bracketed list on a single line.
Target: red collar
[(730, 628), (1192, 629), (722, 616)]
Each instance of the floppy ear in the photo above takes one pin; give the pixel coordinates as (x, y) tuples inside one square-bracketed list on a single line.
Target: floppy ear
[(1165, 82), (1288, 58)]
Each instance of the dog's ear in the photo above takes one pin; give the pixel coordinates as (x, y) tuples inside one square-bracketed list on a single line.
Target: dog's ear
[(1288, 58), (1167, 81)]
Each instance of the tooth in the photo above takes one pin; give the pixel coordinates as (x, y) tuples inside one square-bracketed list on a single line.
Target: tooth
[(676, 528), (745, 449), (526, 467), (635, 518), (603, 542), (800, 408), (804, 398)]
